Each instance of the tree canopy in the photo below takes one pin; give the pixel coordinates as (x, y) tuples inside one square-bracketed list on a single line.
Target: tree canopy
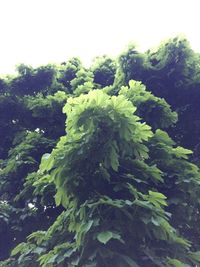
[(92, 168)]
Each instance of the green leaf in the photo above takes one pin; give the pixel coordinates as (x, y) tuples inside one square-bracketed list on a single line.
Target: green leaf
[(175, 263), (181, 152), (46, 162), (157, 195), (58, 198), (23, 249), (104, 237), (195, 256), (157, 199), (19, 248), (114, 159), (163, 137)]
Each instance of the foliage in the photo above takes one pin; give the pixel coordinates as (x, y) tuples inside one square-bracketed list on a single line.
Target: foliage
[(104, 69), (31, 123), (154, 110), (46, 113), (67, 72), (123, 181), (82, 83), (170, 72), (125, 194), (31, 81)]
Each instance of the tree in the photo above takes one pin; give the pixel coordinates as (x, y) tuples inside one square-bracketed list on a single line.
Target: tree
[(121, 185), (68, 72), (31, 81), (151, 170), (104, 69), (30, 123), (170, 72)]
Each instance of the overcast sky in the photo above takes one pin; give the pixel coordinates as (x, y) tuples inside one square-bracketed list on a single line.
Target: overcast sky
[(38, 32)]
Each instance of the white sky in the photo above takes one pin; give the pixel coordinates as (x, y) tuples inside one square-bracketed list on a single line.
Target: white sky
[(38, 32)]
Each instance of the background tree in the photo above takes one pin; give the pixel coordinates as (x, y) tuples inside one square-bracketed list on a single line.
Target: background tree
[(104, 70), (67, 72), (31, 122), (170, 72)]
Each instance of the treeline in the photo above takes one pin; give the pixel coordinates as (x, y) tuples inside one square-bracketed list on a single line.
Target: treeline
[(102, 138)]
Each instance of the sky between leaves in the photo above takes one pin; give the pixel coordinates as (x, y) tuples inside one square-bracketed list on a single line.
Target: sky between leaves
[(38, 32)]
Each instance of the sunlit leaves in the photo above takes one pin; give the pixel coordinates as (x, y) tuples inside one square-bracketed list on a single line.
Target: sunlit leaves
[(155, 111), (105, 236)]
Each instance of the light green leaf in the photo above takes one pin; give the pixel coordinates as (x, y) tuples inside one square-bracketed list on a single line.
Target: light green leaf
[(18, 248), (46, 162), (104, 237), (58, 198), (157, 195), (176, 263), (181, 152), (195, 256)]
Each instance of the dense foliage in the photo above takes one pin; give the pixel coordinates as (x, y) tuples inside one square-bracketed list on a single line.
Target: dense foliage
[(108, 187)]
